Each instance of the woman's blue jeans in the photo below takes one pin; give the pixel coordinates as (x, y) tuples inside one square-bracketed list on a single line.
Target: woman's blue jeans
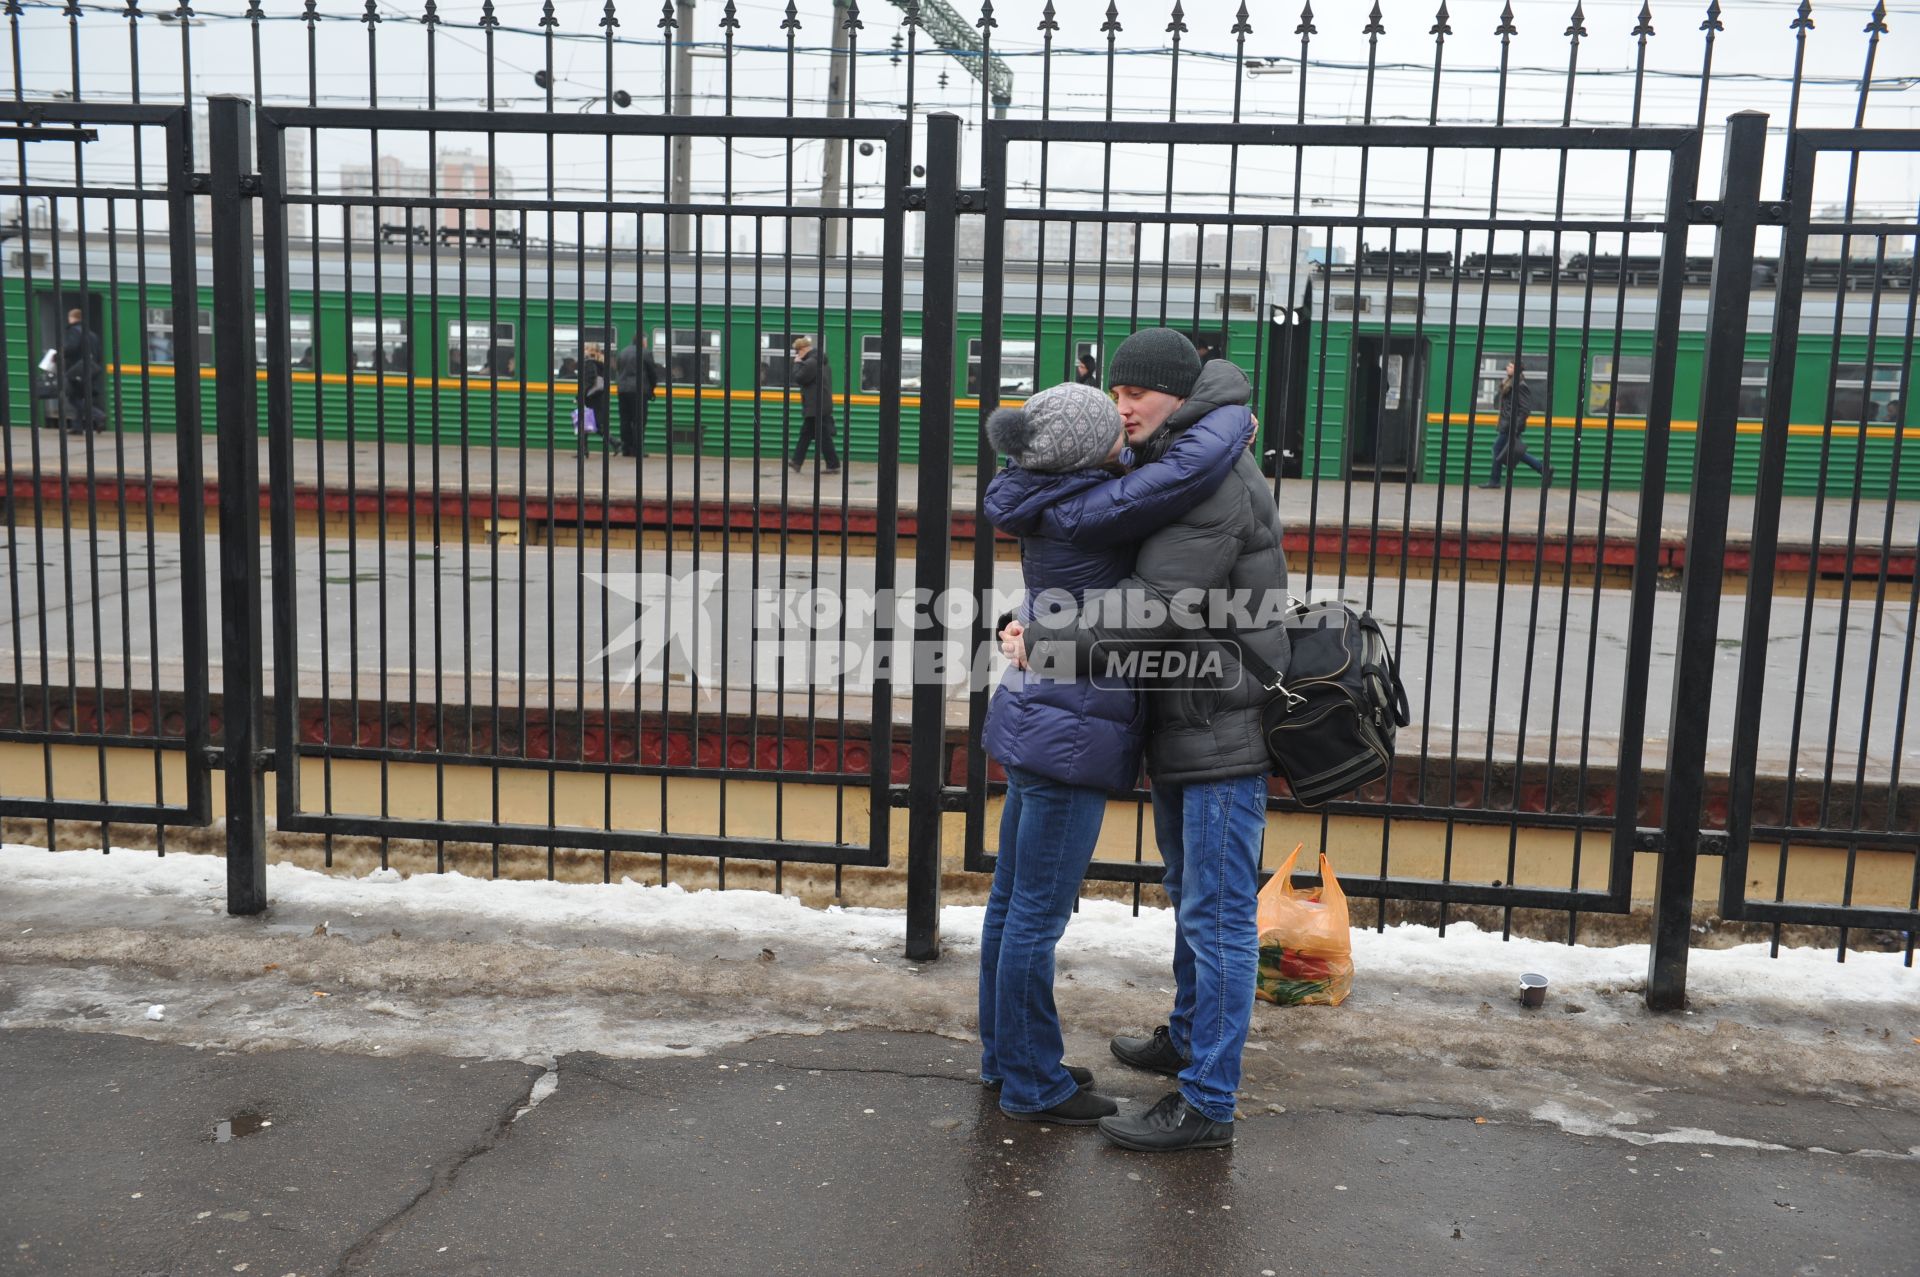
[(1047, 832), (1210, 835)]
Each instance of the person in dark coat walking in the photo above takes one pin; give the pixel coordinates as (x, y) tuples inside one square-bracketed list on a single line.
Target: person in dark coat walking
[(86, 376), (1510, 445), (815, 379), (1217, 567), (1065, 740), (593, 393), (1087, 373), (635, 374)]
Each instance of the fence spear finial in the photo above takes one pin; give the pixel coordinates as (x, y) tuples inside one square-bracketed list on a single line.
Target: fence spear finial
[(1242, 25), (1713, 22), (730, 17), (1374, 26), (431, 18), (1506, 26), (1644, 27), (792, 21), (1802, 20), (1049, 19), (1442, 22), (372, 14), (1577, 27), (1306, 26), (1877, 24), (488, 18), (1112, 24), (1178, 26), (547, 18), (607, 20)]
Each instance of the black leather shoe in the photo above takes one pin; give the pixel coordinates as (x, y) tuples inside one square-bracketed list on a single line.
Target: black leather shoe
[(1082, 1108), (1155, 1054), (1168, 1127), (1082, 1078)]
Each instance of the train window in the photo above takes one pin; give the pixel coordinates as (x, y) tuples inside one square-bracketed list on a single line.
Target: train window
[(299, 332), (1753, 389), (381, 348), (1493, 370), (1629, 393), (870, 364), (160, 335), (692, 356), (776, 359), (1855, 400), (1016, 367), (566, 347), (481, 349)]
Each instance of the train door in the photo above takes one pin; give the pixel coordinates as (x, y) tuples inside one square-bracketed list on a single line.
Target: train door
[(1387, 410), (50, 333), (1283, 410)]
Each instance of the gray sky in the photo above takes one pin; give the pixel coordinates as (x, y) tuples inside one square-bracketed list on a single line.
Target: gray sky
[(1752, 59)]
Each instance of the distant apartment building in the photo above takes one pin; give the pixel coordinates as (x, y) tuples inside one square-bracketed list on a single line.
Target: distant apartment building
[(462, 175)]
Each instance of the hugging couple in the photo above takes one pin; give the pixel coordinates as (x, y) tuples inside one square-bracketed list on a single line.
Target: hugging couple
[(1151, 501)]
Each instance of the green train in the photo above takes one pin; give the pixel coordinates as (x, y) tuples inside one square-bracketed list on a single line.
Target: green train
[(1382, 368)]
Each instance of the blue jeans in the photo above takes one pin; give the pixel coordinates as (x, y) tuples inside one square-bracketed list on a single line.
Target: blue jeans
[(1510, 451), (1047, 832), (1210, 835)]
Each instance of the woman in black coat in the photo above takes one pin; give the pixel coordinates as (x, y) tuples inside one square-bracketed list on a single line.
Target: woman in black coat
[(593, 391), (1510, 445)]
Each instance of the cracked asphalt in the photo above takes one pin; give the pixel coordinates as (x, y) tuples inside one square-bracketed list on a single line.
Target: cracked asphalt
[(860, 1152)]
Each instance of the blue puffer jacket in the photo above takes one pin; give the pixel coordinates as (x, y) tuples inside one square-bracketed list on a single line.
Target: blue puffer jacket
[(1070, 730)]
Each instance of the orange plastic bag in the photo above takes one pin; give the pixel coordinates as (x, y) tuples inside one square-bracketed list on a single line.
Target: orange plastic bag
[(1306, 945)]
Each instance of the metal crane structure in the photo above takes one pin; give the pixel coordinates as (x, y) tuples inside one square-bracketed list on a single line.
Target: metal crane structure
[(958, 38)]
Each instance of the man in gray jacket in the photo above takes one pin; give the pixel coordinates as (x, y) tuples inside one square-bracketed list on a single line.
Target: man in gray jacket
[(1219, 567)]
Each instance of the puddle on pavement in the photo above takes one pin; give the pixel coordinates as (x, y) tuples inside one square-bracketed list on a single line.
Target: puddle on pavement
[(239, 1126)]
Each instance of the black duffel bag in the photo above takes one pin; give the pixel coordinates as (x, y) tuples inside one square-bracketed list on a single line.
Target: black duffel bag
[(1330, 722)]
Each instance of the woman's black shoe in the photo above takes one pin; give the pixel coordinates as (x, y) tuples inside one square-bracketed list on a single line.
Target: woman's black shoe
[(1082, 1108), (1155, 1054)]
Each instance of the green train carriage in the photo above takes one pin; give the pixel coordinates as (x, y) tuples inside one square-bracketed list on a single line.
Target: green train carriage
[(1351, 380)]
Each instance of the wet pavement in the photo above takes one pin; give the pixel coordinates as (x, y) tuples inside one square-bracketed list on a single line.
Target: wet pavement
[(866, 1152)]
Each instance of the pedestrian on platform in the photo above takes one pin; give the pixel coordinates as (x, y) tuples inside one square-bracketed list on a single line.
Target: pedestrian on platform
[(1088, 372), (1065, 739), (815, 378), (1510, 445), (85, 380), (593, 393), (635, 376)]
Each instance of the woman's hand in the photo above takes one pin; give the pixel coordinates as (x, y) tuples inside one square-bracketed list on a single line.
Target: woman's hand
[(1013, 644)]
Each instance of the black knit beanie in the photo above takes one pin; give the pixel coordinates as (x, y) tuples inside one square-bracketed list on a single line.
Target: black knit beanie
[(1156, 359)]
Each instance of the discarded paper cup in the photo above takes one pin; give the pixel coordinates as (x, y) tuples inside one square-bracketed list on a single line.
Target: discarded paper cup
[(1533, 989)]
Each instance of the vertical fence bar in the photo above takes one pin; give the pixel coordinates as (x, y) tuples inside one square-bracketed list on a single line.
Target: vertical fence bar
[(236, 406), (1699, 622), (932, 557)]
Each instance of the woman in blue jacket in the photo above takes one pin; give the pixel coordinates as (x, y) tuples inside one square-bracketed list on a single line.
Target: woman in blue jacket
[(1065, 742)]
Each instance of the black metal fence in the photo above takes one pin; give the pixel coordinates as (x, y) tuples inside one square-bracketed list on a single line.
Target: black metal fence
[(455, 570)]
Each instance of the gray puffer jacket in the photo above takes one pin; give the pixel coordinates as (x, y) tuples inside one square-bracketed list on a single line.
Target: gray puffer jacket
[(1224, 553)]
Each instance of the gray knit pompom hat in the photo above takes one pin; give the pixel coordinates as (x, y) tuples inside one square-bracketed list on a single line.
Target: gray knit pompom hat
[(1065, 427)]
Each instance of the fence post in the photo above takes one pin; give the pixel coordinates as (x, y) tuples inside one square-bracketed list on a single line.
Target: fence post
[(932, 555), (233, 186), (1738, 215)]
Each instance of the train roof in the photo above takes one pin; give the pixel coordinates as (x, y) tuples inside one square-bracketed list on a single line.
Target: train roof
[(1400, 290)]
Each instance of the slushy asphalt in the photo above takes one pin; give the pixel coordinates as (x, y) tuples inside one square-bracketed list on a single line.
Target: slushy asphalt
[(862, 1153)]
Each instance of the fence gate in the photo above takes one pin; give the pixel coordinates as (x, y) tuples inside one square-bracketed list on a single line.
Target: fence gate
[(520, 634), (104, 645), (1530, 682), (1819, 760)]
